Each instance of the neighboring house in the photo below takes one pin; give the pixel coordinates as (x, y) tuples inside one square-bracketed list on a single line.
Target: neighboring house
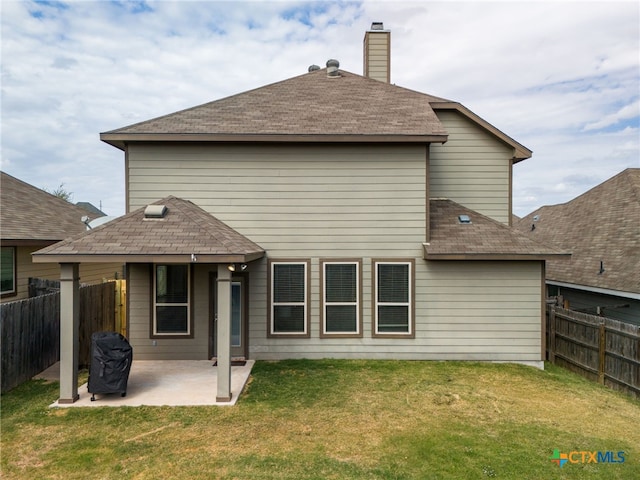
[(601, 228), (327, 215), (31, 219)]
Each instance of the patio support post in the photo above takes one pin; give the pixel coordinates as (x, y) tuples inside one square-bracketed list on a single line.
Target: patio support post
[(224, 334), (69, 331)]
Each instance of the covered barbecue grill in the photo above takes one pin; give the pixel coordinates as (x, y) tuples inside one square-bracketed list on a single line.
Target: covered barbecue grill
[(111, 357)]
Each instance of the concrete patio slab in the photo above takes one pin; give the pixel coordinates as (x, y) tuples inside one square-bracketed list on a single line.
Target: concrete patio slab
[(167, 382)]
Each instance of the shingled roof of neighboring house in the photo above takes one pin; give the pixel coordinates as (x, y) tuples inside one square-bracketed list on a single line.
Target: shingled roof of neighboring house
[(310, 107), (183, 233), (459, 233), (601, 225), (29, 215)]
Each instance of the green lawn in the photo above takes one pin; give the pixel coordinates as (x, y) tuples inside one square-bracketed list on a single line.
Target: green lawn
[(336, 419)]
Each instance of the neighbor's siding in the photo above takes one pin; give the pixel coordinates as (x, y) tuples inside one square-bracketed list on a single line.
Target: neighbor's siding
[(296, 201), (89, 273), (472, 168)]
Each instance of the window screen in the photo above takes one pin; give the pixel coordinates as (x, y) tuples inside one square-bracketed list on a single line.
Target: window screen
[(171, 300), (341, 294), (393, 298), (288, 298)]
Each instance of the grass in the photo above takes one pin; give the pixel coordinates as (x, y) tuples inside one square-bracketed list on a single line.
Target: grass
[(336, 419)]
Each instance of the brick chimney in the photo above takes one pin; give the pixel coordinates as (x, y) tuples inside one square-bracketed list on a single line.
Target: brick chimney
[(377, 53)]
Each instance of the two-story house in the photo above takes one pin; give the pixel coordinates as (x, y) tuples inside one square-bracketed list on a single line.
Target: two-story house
[(326, 215)]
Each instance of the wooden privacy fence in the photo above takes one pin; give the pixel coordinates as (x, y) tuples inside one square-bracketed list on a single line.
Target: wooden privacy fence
[(599, 348), (30, 331)]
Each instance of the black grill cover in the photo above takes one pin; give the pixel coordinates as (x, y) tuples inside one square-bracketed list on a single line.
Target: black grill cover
[(111, 357)]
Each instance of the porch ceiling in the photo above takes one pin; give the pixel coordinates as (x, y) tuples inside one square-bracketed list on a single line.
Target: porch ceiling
[(185, 234)]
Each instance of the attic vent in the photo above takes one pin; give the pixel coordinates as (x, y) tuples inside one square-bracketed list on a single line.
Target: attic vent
[(155, 211), (464, 219), (332, 68), (313, 68)]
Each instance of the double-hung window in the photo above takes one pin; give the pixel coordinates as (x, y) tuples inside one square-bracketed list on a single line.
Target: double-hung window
[(394, 298), (8, 271), (341, 313), (171, 306), (288, 298)]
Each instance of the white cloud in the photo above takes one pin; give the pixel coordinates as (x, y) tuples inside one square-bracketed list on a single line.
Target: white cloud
[(560, 77)]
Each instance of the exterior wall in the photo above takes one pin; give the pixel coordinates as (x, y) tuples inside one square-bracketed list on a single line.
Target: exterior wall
[(472, 168), (464, 311), (89, 273), (328, 202), (297, 201), (140, 297)]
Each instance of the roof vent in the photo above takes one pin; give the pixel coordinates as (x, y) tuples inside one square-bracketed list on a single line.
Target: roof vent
[(313, 68), (332, 68), (465, 219), (377, 26), (155, 211)]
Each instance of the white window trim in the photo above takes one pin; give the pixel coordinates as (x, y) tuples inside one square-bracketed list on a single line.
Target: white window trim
[(162, 304), (408, 304), (326, 304), (304, 303)]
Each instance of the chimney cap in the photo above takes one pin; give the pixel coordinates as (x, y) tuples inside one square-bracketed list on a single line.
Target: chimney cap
[(377, 26)]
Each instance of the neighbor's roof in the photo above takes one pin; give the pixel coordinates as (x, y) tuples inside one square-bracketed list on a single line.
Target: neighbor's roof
[(185, 234), (311, 107), (31, 216), (601, 225), (482, 239)]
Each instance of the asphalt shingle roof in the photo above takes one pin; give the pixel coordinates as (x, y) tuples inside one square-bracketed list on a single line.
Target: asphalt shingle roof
[(602, 224), (312, 104), (29, 213), (185, 230), (482, 239)]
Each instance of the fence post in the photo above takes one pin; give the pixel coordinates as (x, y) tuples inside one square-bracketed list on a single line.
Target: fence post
[(552, 334), (602, 353)]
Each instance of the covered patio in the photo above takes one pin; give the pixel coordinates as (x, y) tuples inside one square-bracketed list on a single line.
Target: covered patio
[(171, 231), (164, 383)]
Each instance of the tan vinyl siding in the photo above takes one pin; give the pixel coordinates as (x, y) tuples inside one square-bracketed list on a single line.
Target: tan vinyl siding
[(472, 168), (464, 311), (328, 201), (89, 273), (333, 201)]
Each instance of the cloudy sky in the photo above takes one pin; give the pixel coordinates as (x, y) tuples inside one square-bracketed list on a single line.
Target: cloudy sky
[(561, 77)]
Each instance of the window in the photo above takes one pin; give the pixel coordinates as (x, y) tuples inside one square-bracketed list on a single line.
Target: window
[(393, 286), (289, 310), (341, 315), (8, 270), (171, 301)]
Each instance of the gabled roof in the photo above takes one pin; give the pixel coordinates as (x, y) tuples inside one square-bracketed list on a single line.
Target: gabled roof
[(520, 152), (29, 215), (185, 234), (601, 225), (481, 239), (312, 107)]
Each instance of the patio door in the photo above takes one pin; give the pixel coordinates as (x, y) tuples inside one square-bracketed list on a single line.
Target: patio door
[(238, 318)]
